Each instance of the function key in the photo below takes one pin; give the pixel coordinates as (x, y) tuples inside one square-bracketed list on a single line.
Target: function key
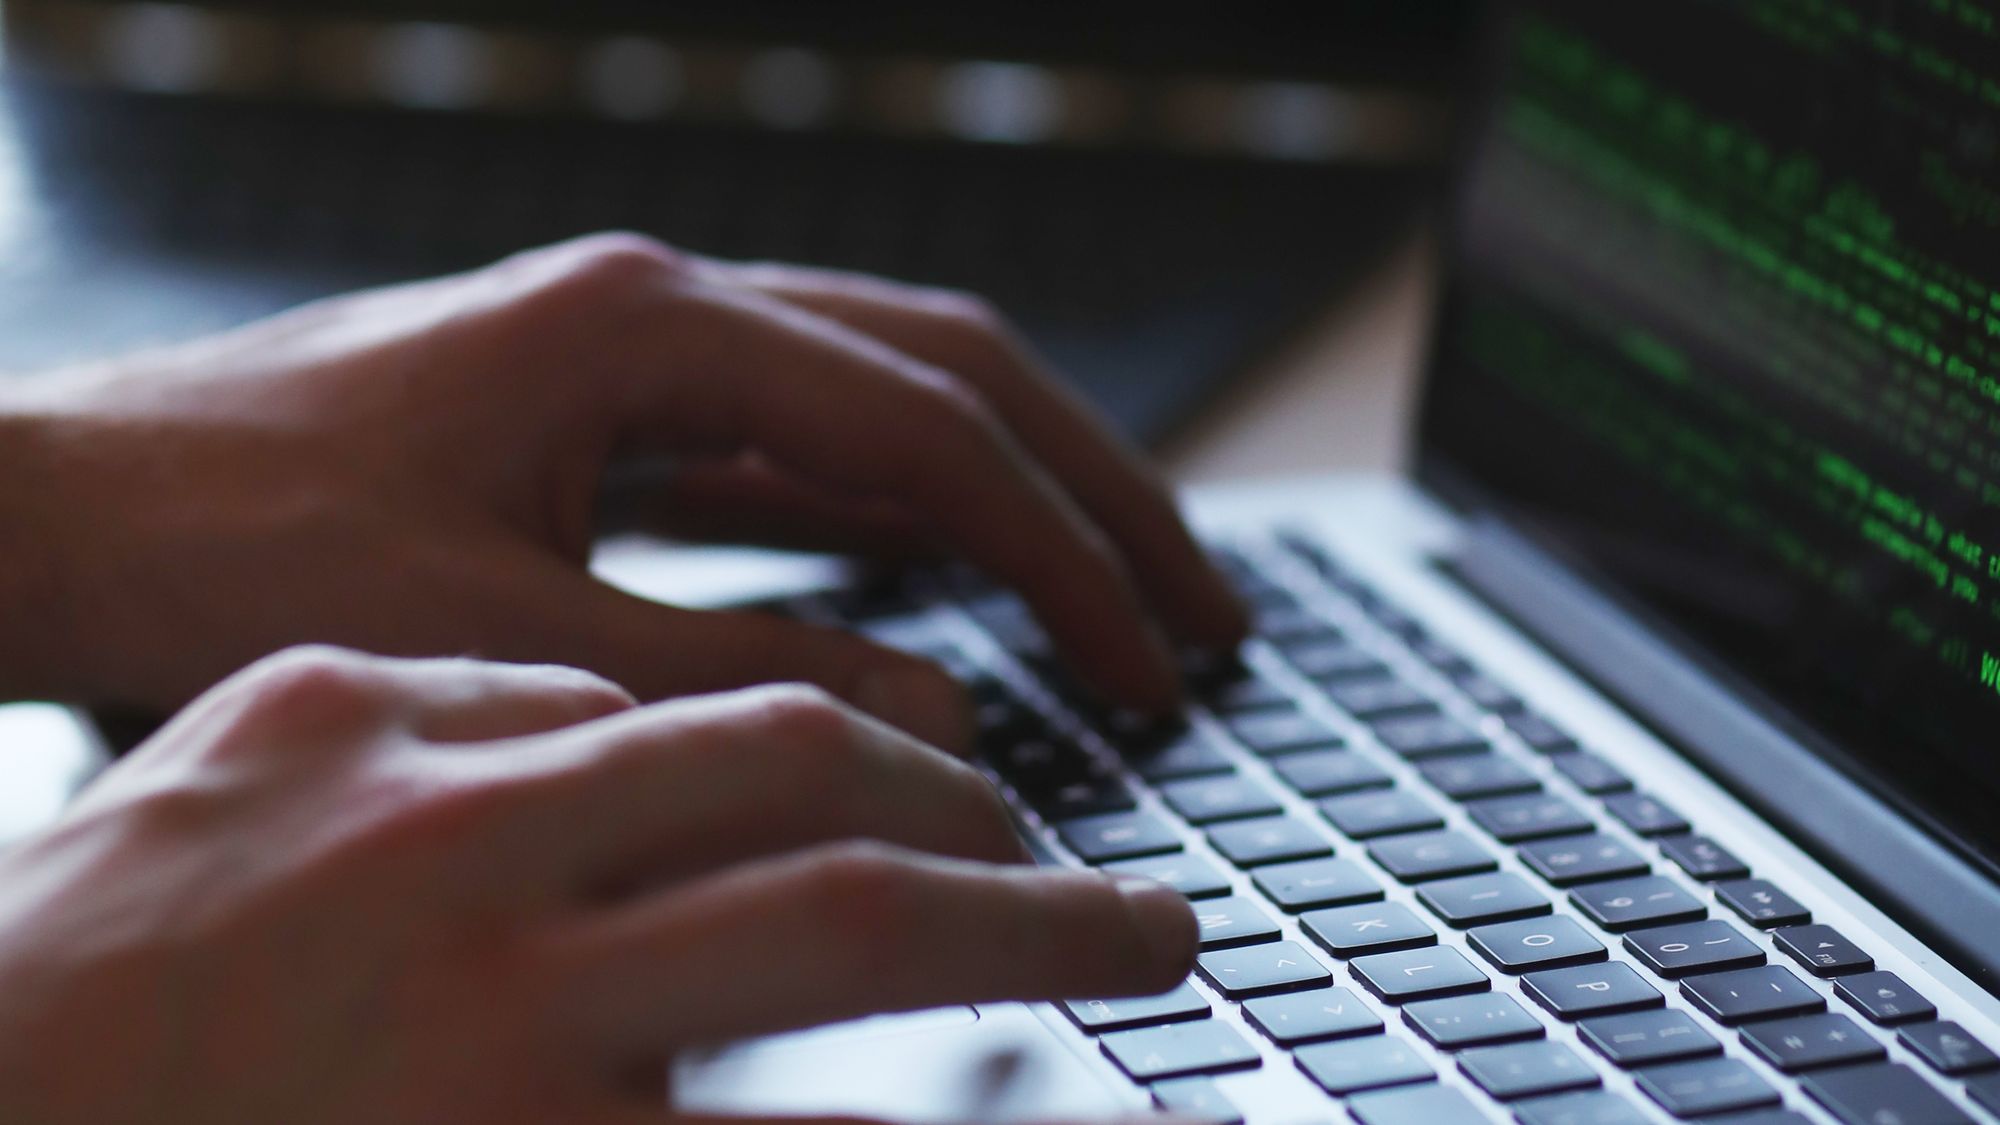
[(1537, 943), (1192, 876), (1192, 754), (1948, 1048), (1331, 661), (1369, 700), (1099, 839), (1270, 733), (1488, 693), (1412, 1105), (1822, 950), (1431, 855), (1512, 820), (1231, 921), (1762, 993), (1645, 815), (1649, 1038), (1581, 991), (1304, 1017), (1881, 1092), (1204, 800), (1593, 1107), (1884, 998), (1362, 816), (1381, 927), (1326, 773), (1094, 1016), (1418, 974), (1196, 1099), (1472, 1021), (1759, 903), (1590, 773), (1570, 860), (1428, 736), (1472, 776), (1278, 839), (1699, 1089), (1628, 904), (1539, 733), (1824, 1039), (1202, 1047), (1315, 883), (1527, 1070), (1693, 947), (1350, 1066), (1703, 858), (1478, 900), (1256, 970)]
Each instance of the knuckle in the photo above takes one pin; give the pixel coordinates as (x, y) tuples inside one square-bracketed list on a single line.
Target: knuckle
[(969, 312), (315, 687), (869, 895), (805, 716), (622, 258)]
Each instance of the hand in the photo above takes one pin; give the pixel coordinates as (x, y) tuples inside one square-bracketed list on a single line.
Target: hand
[(342, 889), (415, 471)]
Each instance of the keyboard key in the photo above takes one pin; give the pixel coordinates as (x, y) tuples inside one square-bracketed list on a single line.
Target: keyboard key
[(1098, 839), (1349, 1066), (1698, 1089), (1537, 943), (1380, 927), (1304, 1017), (1245, 694), (1086, 796), (1257, 970), (1769, 1117), (1205, 800), (1590, 773), (1762, 993), (1472, 1021), (1370, 700), (1417, 737), (1431, 855), (1539, 733), (1329, 772), (1596, 1107), (1948, 1048), (1278, 839), (1093, 1016), (1412, 1105), (1822, 950), (1985, 1091), (1759, 903), (1232, 921), (1361, 816), (1584, 991), (1193, 754), (1418, 974), (1334, 660), (1488, 693), (1693, 947), (1468, 777), (1570, 860), (1441, 656), (1881, 1092), (1703, 858), (1626, 904), (1512, 820), (1202, 1047), (1196, 1099), (1478, 900), (1315, 883), (1270, 733), (1527, 1070), (1884, 998), (1192, 876), (1823, 1039), (1649, 1038), (1645, 815)]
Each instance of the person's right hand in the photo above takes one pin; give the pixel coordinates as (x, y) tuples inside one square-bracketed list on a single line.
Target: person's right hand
[(350, 889)]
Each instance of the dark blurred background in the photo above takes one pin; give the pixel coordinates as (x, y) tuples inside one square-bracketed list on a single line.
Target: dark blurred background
[(1155, 191)]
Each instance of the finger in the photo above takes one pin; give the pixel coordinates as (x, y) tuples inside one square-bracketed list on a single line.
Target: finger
[(854, 930), (1109, 479), (459, 700), (744, 500)]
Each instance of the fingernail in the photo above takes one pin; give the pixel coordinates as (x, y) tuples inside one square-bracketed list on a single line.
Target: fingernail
[(1164, 920), (921, 700)]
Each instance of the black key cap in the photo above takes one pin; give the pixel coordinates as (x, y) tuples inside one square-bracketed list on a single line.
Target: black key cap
[(1626, 904), (1315, 883), (1335, 660), (1584, 991), (1381, 927), (1304, 1017), (1412, 1105), (1985, 1091), (1350, 1066), (1884, 998), (1099, 839), (1372, 700), (1086, 796), (1649, 1038), (1703, 858), (1769, 1117), (1278, 839), (1698, 1089), (1881, 1093), (1205, 800), (1468, 777), (1257, 970), (1441, 656), (1472, 1021), (1762, 993), (1570, 860), (1417, 737), (1539, 733), (1527, 1070), (1202, 1047), (1590, 773), (1693, 947), (1644, 815), (1805, 1042), (1488, 693), (1948, 1048), (1324, 773), (1478, 900), (1364, 815), (1596, 1107), (1193, 754), (1196, 1099), (1418, 974), (1246, 694), (1759, 903), (1512, 820), (1036, 762), (1190, 875), (1232, 921), (1093, 1016), (1537, 943), (1431, 855), (1270, 733), (1822, 950)]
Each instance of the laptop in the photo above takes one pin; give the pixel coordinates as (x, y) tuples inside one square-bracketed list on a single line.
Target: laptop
[(1632, 760)]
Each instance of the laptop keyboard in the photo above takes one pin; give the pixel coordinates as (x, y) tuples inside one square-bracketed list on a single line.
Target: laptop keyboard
[(1399, 867)]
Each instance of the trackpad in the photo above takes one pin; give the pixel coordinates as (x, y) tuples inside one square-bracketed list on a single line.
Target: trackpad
[(996, 1064)]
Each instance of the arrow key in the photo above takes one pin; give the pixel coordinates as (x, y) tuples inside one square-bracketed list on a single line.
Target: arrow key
[(1256, 970), (1304, 1017)]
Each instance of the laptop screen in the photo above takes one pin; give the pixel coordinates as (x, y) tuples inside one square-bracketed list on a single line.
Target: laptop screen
[(1724, 327)]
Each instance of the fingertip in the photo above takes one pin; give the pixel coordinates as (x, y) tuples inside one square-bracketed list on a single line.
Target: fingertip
[(919, 698), (1165, 925)]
